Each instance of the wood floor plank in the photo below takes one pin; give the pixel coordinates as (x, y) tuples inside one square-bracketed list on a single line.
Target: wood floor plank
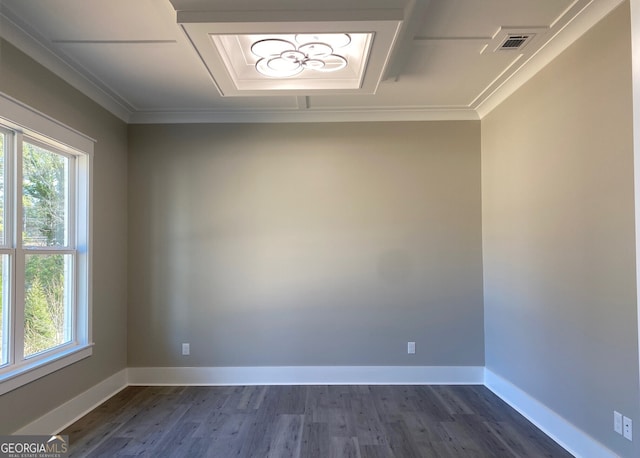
[(90, 430), (428, 403), (375, 451), (180, 442), (344, 447), (115, 446), (482, 436), (315, 439), (202, 401), (369, 427), (308, 422), (453, 403), (290, 400), (423, 429), (287, 437), (401, 442), (521, 446), (230, 437), (252, 397), (260, 430)]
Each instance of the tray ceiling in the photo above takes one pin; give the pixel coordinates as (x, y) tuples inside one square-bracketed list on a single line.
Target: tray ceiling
[(154, 60)]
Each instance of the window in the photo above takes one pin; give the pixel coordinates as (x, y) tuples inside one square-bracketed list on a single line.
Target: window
[(44, 245)]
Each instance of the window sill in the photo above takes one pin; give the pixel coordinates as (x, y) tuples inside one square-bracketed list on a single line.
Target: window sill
[(32, 371)]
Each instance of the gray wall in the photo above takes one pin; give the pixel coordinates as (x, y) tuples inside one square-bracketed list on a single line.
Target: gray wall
[(558, 235), (25, 80), (306, 244)]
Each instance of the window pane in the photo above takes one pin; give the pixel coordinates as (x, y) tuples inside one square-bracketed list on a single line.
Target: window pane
[(4, 145), (47, 310), (4, 309), (44, 197)]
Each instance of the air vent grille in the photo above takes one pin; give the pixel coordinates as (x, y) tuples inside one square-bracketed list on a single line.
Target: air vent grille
[(513, 42)]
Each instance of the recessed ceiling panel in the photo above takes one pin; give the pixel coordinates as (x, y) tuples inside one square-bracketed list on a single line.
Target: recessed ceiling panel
[(295, 61), (225, 43)]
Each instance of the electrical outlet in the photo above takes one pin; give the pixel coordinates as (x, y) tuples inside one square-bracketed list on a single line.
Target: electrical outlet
[(411, 348), (627, 428), (617, 422), (185, 349)]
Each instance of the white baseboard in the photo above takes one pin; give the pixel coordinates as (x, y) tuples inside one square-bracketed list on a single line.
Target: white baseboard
[(564, 433), (59, 418), (571, 438), (308, 375)]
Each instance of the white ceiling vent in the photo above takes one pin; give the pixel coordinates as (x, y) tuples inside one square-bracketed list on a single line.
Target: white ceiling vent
[(514, 42), (515, 39)]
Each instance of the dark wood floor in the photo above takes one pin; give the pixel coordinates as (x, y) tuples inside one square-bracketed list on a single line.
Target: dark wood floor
[(308, 421)]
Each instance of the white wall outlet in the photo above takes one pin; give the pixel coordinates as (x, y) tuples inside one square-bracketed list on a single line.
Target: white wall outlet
[(186, 350), (627, 428), (617, 422), (411, 348)]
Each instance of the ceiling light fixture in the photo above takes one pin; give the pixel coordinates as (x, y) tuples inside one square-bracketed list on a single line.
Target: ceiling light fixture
[(281, 58)]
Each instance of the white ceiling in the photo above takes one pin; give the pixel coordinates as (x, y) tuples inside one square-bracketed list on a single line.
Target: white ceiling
[(133, 57)]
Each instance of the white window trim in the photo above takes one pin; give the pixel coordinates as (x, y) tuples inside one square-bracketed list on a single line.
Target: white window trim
[(25, 120)]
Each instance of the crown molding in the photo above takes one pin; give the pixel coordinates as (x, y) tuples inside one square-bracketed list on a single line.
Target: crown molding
[(301, 116), (590, 15), (33, 45)]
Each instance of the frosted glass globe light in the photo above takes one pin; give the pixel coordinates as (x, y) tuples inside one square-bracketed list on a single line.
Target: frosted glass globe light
[(283, 59)]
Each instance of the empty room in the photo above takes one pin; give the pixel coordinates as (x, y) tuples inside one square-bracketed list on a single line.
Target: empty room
[(382, 228)]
